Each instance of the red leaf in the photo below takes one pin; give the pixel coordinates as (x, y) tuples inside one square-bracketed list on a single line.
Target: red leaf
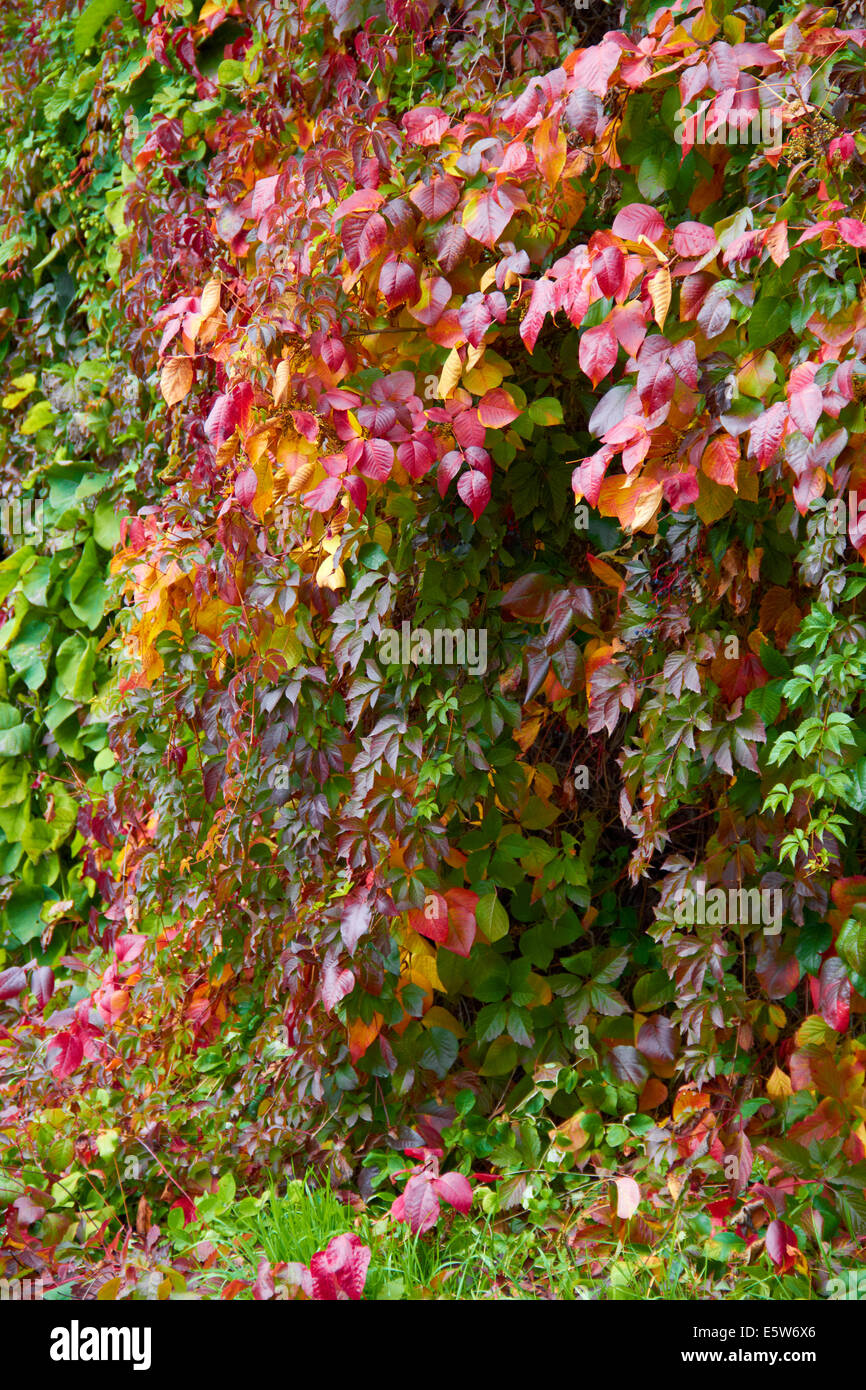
[(845, 892), (398, 283), (636, 220), (42, 984), (436, 198), (806, 405), (354, 923), (852, 230), (657, 1039), (339, 1271), (246, 484), (420, 1204), (693, 239), (597, 352), (766, 434), (69, 1054), (336, 983), (454, 1189), (474, 489), (781, 1245), (129, 946), (12, 982), (496, 409), (432, 919), (461, 917), (835, 994), (449, 467), (720, 459), (425, 125), (323, 497), (608, 268), (486, 216)]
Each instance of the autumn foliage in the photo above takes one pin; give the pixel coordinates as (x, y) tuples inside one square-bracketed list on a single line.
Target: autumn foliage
[(440, 327)]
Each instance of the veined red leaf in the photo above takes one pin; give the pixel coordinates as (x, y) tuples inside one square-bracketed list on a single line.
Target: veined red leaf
[(780, 1243), (598, 352), (766, 434), (431, 920), (454, 1189), (425, 125), (694, 239), (436, 198), (637, 220), (496, 409), (398, 283), (474, 489), (67, 1051)]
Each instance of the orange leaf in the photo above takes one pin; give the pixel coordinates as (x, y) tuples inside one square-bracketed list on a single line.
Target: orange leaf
[(720, 459), (175, 379)]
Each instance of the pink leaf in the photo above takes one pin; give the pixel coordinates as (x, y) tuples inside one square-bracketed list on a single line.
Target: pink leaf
[(339, 1272), (835, 994), (69, 1051), (129, 946), (609, 268), (852, 230), (398, 283), (420, 1204), (781, 1245), (42, 984), (454, 1189), (354, 924), (12, 982), (766, 434), (449, 467), (336, 983), (496, 409), (636, 220), (627, 1197), (436, 198), (425, 125), (693, 239), (246, 485), (597, 352), (474, 489)]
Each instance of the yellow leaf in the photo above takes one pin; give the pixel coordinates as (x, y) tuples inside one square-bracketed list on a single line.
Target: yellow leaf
[(486, 376), (633, 501), (23, 386), (660, 294), (282, 377), (450, 375), (550, 150), (437, 1017), (210, 298), (526, 735), (714, 501), (779, 1084), (175, 379), (383, 535)]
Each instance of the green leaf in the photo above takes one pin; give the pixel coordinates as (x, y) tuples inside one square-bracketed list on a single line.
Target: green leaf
[(106, 525), (38, 416), (91, 20), (491, 917), (75, 660), (440, 1053), (14, 736), (546, 411), (769, 319), (851, 944)]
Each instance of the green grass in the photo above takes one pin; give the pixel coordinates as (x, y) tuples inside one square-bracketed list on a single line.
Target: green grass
[(473, 1257)]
